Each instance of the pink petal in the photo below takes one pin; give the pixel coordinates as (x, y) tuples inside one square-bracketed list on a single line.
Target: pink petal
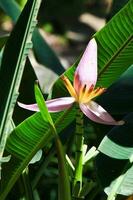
[(31, 107), (86, 72), (54, 105), (96, 113)]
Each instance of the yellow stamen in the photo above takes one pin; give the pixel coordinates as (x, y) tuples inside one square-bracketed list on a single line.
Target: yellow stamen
[(85, 93), (90, 94), (69, 87), (81, 92)]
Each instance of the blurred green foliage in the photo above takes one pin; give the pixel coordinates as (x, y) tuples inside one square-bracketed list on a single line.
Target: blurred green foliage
[(57, 16)]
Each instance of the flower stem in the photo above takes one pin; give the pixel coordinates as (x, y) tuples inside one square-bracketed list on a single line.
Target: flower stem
[(79, 154)]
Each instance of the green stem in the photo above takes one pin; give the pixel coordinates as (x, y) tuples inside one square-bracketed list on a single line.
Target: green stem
[(79, 154), (64, 183)]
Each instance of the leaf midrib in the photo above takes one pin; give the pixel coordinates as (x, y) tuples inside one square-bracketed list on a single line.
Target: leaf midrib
[(113, 57), (20, 59)]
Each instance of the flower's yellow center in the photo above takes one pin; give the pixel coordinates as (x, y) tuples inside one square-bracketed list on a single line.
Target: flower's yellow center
[(85, 93)]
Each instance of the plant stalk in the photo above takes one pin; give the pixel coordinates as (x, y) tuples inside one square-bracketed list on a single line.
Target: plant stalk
[(79, 141), (64, 184)]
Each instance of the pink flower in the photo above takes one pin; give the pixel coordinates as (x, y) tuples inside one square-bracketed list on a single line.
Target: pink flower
[(82, 91)]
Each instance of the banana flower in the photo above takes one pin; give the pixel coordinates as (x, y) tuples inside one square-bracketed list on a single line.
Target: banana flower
[(82, 91)]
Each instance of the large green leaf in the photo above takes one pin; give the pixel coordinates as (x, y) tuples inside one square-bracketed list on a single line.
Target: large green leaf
[(45, 55), (122, 185), (114, 150), (25, 141), (115, 50), (115, 45), (14, 58), (60, 90), (12, 66), (114, 162), (118, 99)]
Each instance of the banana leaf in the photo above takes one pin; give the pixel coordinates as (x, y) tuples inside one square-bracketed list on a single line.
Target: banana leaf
[(115, 160), (115, 55), (115, 50), (26, 139), (44, 54)]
